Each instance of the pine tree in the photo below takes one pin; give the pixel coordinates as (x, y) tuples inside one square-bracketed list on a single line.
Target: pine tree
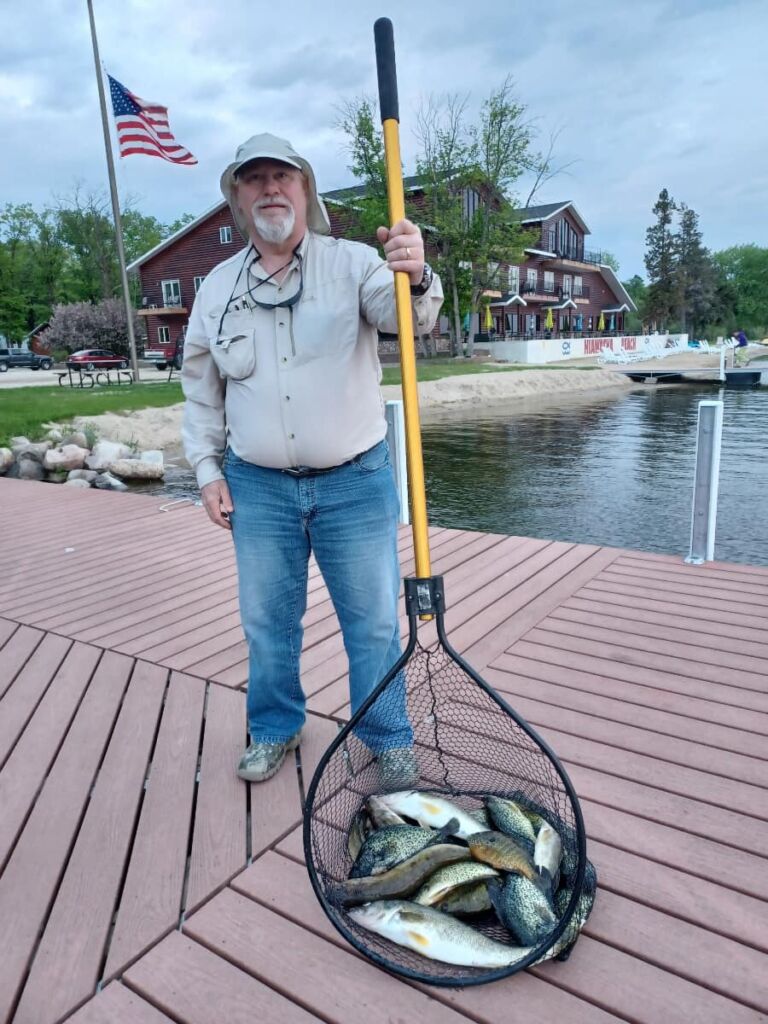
[(694, 274), (660, 261)]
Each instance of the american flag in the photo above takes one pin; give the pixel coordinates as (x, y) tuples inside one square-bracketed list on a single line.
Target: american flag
[(142, 127)]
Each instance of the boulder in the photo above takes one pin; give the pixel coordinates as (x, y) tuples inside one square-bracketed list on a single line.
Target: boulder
[(69, 456), (107, 482), (89, 475), (56, 476), (6, 459), (17, 442), (106, 452), (55, 435), (29, 469), (155, 457), (136, 469), (28, 450), (77, 482), (78, 438)]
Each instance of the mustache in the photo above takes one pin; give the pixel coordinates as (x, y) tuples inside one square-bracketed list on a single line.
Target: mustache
[(261, 204)]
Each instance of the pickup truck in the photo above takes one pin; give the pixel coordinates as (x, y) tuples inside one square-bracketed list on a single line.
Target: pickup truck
[(18, 357)]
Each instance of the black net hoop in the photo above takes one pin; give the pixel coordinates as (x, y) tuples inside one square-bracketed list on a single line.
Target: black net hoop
[(469, 743)]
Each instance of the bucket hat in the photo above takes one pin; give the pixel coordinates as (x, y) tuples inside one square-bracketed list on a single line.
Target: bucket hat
[(270, 147)]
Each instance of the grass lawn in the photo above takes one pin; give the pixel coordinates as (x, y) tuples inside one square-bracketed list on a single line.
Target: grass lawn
[(24, 410)]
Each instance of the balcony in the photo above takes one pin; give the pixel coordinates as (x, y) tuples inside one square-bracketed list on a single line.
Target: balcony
[(548, 243), (168, 307)]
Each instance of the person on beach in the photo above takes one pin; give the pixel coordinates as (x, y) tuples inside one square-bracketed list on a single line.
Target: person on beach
[(742, 343), (284, 425)]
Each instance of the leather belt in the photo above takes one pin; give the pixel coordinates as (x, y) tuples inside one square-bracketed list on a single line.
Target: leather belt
[(302, 471)]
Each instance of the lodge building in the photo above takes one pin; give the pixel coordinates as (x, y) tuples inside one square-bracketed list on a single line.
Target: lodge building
[(561, 288)]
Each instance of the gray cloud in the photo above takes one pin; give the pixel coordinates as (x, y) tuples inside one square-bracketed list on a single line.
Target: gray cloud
[(648, 95)]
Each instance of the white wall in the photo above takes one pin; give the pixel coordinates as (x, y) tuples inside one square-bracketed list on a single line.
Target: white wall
[(553, 350)]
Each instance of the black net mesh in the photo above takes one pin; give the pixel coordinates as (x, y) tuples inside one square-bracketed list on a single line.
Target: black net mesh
[(467, 746)]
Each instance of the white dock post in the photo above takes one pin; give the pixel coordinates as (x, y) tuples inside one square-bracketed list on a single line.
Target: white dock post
[(396, 440), (722, 363), (706, 482)]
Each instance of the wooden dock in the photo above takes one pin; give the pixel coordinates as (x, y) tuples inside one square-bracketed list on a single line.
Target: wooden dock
[(141, 881)]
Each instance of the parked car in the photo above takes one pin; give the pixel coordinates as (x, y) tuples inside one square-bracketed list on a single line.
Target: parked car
[(18, 357), (96, 358)]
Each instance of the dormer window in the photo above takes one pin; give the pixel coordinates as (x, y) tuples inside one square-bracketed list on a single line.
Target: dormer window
[(225, 235)]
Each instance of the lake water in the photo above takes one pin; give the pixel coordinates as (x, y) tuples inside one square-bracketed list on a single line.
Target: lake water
[(610, 469)]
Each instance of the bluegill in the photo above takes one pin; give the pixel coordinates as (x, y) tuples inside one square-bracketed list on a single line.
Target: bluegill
[(502, 852), (402, 880), (446, 880), (435, 935), (388, 846), (510, 818), (523, 908), (431, 811)]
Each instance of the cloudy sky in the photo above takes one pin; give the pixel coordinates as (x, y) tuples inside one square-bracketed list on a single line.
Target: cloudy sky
[(647, 93)]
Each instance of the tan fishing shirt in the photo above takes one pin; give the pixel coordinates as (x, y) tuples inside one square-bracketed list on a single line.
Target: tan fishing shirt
[(291, 387)]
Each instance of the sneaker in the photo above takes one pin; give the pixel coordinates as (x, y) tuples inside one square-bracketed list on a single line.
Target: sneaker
[(398, 769), (262, 760)]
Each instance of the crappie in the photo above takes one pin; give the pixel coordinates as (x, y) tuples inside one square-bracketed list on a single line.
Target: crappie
[(431, 811), (402, 880), (534, 812), (450, 878), (547, 854), (435, 935), (562, 947), (502, 852), (388, 846), (380, 815), (523, 908), (510, 818), (358, 831), (469, 899)]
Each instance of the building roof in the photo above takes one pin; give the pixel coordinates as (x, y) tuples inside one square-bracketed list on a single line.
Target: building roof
[(617, 287), (534, 214), (411, 184)]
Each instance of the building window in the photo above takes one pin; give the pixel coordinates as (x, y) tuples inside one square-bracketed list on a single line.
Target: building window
[(198, 282), (531, 279), (225, 235), (577, 285), (549, 282), (171, 293), (493, 272), (514, 280), (470, 203), (567, 279), (163, 335)]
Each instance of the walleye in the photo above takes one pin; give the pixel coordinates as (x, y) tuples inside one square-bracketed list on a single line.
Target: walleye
[(502, 852), (510, 818), (402, 880), (431, 811), (388, 846), (450, 878), (523, 908), (547, 854), (435, 935)]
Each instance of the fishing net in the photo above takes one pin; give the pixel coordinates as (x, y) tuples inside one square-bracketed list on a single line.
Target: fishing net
[(469, 744)]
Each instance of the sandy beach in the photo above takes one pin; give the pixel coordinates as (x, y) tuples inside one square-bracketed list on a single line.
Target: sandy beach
[(161, 428)]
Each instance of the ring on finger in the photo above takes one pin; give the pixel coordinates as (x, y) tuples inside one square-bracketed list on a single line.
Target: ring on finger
[(407, 253)]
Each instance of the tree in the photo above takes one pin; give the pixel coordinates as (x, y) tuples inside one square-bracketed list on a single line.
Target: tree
[(609, 260), (695, 276), (744, 270), (85, 325), (637, 290), (660, 261), (88, 233), (358, 121)]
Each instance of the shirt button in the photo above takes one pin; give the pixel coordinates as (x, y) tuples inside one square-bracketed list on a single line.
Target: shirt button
[(291, 436), (287, 398), (284, 359)]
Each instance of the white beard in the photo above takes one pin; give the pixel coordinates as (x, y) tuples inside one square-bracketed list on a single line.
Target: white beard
[(272, 229)]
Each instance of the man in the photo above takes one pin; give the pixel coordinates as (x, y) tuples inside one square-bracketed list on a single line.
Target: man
[(284, 425)]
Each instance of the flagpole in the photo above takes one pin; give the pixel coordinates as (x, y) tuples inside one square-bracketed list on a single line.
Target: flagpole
[(115, 200)]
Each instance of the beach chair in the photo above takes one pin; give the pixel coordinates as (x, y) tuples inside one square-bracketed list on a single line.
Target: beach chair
[(607, 355)]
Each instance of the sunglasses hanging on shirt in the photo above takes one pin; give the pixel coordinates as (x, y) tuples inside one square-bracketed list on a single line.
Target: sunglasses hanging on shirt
[(288, 303)]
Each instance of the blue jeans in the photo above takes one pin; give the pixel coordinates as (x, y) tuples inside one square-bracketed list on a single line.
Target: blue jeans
[(348, 518)]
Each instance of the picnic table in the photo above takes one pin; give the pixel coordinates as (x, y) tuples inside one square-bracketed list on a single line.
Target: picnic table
[(88, 378)]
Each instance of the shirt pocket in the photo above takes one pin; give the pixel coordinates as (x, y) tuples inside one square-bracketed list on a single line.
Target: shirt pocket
[(235, 353), (327, 319)]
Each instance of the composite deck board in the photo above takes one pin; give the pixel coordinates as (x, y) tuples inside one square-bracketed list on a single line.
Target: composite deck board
[(646, 675), (219, 846), (29, 882), (16, 650), (197, 987), (72, 948), (152, 896)]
